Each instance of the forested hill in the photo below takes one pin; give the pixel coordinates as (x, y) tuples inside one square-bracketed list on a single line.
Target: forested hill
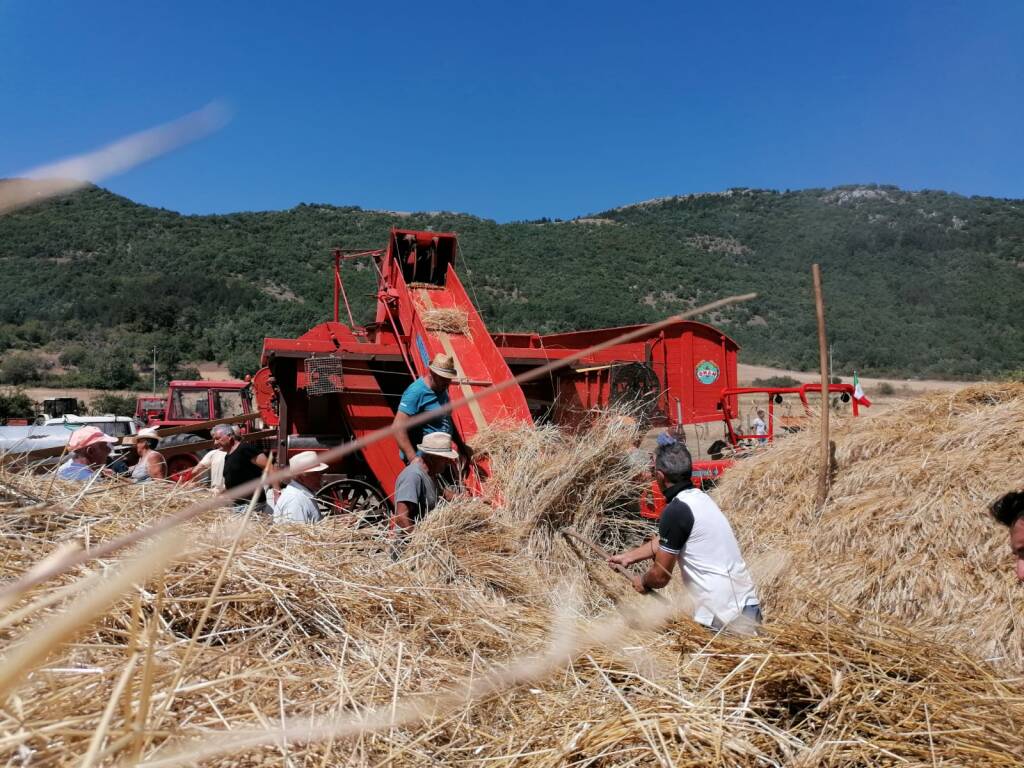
[(917, 283)]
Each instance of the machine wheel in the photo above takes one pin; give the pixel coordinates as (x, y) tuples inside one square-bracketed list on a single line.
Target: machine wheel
[(352, 496), (182, 461)]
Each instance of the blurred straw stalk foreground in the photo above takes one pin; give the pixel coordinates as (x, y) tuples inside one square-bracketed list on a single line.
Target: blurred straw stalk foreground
[(891, 637)]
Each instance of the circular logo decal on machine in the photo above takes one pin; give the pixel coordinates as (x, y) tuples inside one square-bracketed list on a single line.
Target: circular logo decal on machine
[(707, 372)]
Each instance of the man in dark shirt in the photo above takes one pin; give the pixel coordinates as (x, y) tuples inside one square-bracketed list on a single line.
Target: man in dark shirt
[(244, 462)]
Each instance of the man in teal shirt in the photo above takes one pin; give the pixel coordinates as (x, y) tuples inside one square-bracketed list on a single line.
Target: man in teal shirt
[(426, 394)]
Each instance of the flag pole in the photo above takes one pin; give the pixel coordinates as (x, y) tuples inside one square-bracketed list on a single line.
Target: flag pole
[(826, 458)]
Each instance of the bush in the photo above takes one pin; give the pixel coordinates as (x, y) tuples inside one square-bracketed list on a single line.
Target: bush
[(20, 368), (885, 388), (109, 371), (117, 405), (777, 381), (242, 363), (15, 404), (73, 354), (836, 380), (186, 373)]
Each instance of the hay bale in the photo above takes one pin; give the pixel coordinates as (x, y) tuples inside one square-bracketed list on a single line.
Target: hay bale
[(445, 321), (319, 621), (905, 532)]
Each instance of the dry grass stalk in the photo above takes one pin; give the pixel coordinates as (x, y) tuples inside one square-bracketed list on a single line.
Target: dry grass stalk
[(445, 321), (452, 643)]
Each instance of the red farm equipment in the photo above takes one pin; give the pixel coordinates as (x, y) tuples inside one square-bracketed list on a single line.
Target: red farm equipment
[(339, 382), (184, 415), (150, 409)]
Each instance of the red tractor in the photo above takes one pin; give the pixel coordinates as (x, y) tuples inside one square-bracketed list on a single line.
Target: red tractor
[(193, 403), (150, 409)]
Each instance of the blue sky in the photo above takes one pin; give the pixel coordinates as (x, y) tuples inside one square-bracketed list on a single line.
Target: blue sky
[(525, 109)]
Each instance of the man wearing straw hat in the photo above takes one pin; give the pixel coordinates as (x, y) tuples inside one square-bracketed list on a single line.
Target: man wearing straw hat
[(416, 490), (693, 532), (297, 502), (89, 448), (426, 394)]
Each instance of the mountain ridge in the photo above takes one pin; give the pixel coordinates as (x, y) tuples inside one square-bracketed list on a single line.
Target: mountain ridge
[(918, 282)]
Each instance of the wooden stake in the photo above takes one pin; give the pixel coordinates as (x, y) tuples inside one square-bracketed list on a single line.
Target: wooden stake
[(825, 470)]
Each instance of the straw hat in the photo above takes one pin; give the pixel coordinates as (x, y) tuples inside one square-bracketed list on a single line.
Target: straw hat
[(438, 444), (86, 436), (147, 433), (307, 461), (444, 366)]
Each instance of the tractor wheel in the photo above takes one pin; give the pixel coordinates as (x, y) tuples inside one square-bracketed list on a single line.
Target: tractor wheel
[(355, 497), (183, 461)]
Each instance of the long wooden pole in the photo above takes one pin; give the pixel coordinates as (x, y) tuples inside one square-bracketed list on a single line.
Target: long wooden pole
[(825, 470)]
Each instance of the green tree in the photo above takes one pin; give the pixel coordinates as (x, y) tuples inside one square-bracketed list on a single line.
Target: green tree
[(15, 404), (20, 368), (117, 405)]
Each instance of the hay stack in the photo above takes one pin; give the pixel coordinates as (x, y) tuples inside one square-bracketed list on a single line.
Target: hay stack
[(445, 321), (318, 621), (905, 532)]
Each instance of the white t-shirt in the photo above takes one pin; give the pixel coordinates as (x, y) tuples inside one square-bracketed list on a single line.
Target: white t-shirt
[(296, 505), (214, 461), (693, 528), (760, 428)]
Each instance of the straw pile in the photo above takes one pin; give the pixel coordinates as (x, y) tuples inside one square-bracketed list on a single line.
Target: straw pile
[(445, 321), (905, 532), (486, 641)]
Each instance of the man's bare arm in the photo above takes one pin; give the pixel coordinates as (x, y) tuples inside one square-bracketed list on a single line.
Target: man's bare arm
[(403, 516), (402, 436), (660, 572), (157, 466), (638, 554)]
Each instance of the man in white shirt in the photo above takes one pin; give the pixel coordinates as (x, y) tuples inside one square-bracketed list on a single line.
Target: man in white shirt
[(694, 533), (212, 463), (297, 502), (761, 427)]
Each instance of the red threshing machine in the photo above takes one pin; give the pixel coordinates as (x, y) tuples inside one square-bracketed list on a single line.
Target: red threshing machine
[(339, 382)]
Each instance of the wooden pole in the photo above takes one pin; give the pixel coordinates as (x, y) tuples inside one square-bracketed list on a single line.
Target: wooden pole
[(825, 470)]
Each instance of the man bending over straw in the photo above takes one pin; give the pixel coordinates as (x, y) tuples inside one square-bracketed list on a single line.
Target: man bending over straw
[(693, 532), (416, 490)]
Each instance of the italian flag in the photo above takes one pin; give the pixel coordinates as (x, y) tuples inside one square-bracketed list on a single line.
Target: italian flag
[(858, 392)]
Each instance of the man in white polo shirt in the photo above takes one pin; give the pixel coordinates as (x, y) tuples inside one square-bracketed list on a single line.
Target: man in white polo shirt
[(693, 532), (297, 502)]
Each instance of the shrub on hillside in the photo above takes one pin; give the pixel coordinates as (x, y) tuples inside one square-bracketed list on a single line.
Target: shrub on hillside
[(776, 381), (20, 368), (74, 354), (118, 405), (15, 404), (109, 371)]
